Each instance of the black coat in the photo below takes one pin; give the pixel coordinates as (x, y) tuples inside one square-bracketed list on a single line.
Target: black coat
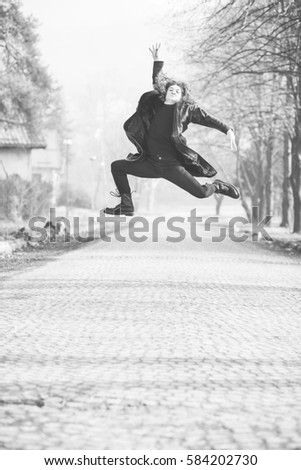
[(137, 127)]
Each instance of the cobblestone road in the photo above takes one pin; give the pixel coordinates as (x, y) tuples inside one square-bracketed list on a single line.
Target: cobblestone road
[(153, 346)]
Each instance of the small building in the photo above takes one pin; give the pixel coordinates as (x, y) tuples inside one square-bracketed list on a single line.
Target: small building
[(48, 164), (16, 146), (31, 155)]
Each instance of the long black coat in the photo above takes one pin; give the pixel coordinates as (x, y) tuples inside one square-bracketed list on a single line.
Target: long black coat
[(137, 127)]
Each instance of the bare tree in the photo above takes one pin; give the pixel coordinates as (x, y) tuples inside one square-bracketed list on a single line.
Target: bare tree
[(258, 44)]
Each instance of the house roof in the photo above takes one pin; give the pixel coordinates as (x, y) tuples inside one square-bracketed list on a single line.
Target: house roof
[(17, 135)]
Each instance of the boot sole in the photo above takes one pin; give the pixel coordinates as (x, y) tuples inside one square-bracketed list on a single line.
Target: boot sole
[(237, 194), (118, 215)]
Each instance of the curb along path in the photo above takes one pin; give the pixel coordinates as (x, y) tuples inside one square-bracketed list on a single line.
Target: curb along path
[(153, 346)]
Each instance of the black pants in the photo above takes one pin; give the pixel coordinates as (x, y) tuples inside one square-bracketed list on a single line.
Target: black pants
[(156, 167)]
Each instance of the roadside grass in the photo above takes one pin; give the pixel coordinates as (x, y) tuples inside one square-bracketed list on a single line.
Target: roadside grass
[(30, 256)]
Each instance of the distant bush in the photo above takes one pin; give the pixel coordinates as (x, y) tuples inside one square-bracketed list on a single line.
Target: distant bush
[(22, 198), (76, 198)]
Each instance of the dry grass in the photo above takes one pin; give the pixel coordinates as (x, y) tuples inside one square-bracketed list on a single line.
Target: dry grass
[(30, 257)]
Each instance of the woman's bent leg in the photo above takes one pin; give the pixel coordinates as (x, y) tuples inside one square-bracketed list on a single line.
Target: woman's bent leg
[(122, 168), (182, 178)]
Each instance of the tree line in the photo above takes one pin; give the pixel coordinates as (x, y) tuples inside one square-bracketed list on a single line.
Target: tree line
[(25, 84), (247, 52), (28, 97)]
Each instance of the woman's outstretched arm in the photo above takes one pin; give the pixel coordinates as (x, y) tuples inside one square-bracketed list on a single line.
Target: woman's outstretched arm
[(199, 116), (158, 64)]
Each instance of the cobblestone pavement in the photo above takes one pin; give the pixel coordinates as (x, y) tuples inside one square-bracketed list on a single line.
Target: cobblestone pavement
[(153, 346)]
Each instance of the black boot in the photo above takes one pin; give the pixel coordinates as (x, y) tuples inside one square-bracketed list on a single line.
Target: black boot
[(126, 206), (226, 188)]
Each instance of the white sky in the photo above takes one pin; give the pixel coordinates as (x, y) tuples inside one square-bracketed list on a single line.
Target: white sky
[(79, 38), (97, 50), (102, 46)]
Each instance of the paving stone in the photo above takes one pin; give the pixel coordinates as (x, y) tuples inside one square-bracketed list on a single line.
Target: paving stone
[(153, 345)]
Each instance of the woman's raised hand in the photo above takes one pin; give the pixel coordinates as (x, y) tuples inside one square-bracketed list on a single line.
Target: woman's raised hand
[(154, 50)]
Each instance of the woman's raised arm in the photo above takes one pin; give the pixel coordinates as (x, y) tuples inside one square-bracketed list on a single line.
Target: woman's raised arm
[(154, 50)]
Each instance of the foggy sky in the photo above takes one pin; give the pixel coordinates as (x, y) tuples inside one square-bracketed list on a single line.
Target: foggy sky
[(82, 38), (98, 52)]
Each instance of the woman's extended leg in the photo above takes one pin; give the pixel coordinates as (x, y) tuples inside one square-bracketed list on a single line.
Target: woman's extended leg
[(120, 170), (182, 178)]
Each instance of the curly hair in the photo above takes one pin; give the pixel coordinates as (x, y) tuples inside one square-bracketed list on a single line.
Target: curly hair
[(162, 83)]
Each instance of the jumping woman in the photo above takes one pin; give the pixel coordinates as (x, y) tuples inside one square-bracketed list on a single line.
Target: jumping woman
[(156, 129)]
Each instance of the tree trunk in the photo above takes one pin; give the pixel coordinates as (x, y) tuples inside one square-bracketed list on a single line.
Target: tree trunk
[(286, 182), (246, 208), (260, 173), (261, 201), (241, 176), (295, 177), (218, 202), (268, 178)]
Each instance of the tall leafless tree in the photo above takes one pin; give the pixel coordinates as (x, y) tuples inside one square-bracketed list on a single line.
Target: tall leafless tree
[(257, 42)]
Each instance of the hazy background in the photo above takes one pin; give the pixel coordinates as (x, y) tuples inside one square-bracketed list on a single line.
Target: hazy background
[(98, 52)]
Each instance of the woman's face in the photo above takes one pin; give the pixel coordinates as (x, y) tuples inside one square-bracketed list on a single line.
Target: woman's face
[(173, 94)]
